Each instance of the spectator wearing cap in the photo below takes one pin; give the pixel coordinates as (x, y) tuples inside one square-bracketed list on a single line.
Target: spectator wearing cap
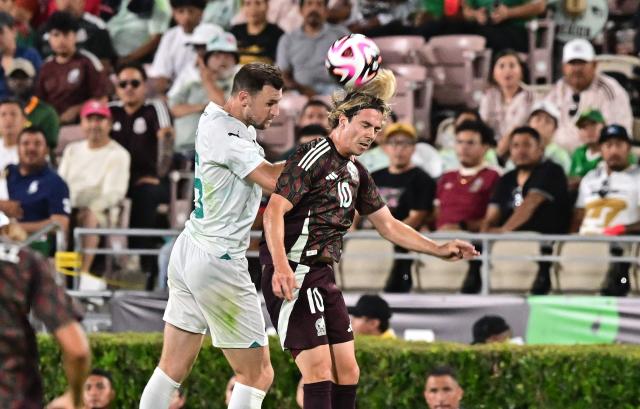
[(10, 51), (257, 38), (37, 195), (442, 390), (581, 89), (143, 127), (136, 29), (92, 34), (96, 170), (609, 201), (71, 76), (209, 81), (301, 53), (506, 104), (371, 316), (12, 121), (21, 78), (544, 119), (99, 392), (490, 329), (408, 191), (462, 195), (174, 53), (532, 197)]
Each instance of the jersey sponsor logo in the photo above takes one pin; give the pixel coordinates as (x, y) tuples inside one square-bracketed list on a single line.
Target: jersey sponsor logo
[(237, 135), (33, 187), (350, 329), (140, 126), (344, 193), (331, 176), (321, 328), (314, 154), (73, 76)]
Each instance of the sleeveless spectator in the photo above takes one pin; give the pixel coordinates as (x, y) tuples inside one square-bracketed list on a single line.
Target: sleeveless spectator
[(97, 172), (12, 121), (136, 33), (10, 51), (92, 34), (70, 76), (506, 104), (174, 53), (208, 80), (21, 83), (581, 89), (301, 53), (257, 38)]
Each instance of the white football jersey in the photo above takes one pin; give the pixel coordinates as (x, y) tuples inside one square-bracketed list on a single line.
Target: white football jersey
[(609, 200), (225, 203)]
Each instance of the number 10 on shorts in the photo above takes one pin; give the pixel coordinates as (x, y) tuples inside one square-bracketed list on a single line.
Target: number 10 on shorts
[(315, 300)]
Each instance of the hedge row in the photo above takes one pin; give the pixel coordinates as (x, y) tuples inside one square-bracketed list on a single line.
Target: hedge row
[(392, 373)]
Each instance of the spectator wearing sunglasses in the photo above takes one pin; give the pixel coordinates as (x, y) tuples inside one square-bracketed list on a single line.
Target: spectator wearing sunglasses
[(581, 89), (143, 127)]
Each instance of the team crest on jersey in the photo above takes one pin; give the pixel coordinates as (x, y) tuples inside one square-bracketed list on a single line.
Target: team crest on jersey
[(321, 328), (353, 171), (117, 126), (73, 76), (140, 125)]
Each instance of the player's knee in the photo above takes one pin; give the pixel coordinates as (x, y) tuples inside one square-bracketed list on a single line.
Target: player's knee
[(318, 373), (350, 374), (260, 378)]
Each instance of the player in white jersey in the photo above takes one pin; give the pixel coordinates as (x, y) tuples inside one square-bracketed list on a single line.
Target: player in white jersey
[(209, 284), (609, 202)]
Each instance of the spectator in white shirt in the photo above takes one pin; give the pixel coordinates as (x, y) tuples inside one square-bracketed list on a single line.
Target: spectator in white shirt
[(12, 120), (97, 172), (581, 89)]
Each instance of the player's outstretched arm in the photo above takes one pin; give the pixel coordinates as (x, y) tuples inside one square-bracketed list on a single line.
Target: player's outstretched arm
[(405, 236), (266, 175), (76, 358), (284, 281)]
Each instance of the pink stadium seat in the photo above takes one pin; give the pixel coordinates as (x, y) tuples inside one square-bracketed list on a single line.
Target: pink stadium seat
[(402, 101), (399, 49), (422, 87), (180, 198), (279, 137), (67, 135), (540, 57), (459, 67)]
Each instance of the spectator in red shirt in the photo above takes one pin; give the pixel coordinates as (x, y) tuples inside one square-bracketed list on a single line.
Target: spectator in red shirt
[(463, 195), (71, 76)]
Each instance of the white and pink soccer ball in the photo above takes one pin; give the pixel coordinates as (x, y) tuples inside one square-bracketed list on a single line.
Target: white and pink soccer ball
[(353, 60)]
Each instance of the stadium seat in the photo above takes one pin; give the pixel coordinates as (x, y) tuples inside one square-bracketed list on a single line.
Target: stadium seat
[(434, 274), (118, 217), (180, 198), (365, 263), (539, 90), (513, 275), (67, 135), (279, 137), (583, 275), (422, 87), (459, 67), (400, 49), (540, 58), (402, 101)]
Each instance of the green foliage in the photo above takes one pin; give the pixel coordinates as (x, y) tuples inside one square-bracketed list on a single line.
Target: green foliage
[(392, 373)]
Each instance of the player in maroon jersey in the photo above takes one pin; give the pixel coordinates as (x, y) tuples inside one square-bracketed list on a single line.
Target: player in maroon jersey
[(314, 203)]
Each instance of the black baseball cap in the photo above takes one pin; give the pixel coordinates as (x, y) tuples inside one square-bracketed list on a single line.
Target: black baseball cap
[(371, 306), (488, 326), (614, 131)]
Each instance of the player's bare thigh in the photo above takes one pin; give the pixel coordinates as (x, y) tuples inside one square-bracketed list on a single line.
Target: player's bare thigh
[(252, 366), (335, 362), (180, 349)]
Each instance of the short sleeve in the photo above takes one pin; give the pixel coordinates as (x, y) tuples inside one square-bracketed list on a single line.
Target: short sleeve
[(369, 199), (423, 192), (49, 302), (500, 194), (58, 198), (161, 65), (295, 180), (227, 148)]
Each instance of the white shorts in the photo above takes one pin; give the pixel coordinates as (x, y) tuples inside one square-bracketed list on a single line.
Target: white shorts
[(206, 291)]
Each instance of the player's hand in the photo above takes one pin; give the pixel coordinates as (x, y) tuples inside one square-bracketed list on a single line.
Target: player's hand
[(283, 282), (457, 250), (12, 208)]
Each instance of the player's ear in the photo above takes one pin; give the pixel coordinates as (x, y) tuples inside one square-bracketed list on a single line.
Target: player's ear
[(243, 96), (343, 121)]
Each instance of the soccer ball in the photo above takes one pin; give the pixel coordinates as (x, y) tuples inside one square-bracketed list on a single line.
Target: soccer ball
[(353, 60)]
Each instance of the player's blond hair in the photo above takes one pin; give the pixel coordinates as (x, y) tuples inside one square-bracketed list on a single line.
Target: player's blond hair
[(374, 95)]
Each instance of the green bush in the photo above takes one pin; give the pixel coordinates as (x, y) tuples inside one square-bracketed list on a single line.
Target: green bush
[(392, 373)]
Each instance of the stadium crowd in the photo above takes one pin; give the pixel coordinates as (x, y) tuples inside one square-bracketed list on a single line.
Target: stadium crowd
[(101, 100)]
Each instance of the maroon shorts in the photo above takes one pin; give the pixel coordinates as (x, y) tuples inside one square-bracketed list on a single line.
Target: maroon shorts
[(318, 314)]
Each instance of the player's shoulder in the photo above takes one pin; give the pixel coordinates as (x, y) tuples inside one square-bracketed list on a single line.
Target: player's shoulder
[(313, 154)]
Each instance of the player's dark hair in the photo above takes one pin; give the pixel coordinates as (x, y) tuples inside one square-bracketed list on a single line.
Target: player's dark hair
[(134, 66), (32, 130), (527, 130), (253, 77), (443, 370), (479, 127)]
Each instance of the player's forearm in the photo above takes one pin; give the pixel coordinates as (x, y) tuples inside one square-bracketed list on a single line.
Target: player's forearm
[(521, 215), (76, 357), (407, 237), (273, 220)]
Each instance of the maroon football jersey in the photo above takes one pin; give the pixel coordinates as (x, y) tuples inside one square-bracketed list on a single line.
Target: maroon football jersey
[(325, 189)]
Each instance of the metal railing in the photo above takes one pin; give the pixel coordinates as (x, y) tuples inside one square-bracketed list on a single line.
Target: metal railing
[(486, 240)]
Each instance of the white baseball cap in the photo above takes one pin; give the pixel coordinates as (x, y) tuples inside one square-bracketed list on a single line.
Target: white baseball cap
[(224, 42), (546, 107), (578, 49), (203, 33)]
